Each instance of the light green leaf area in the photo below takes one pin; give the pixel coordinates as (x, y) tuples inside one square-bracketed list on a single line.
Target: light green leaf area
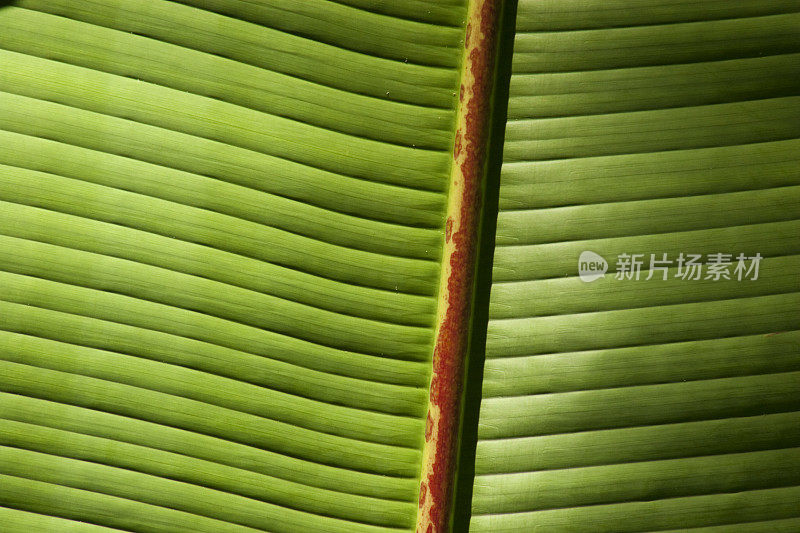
[(221, 228), (661, 404)]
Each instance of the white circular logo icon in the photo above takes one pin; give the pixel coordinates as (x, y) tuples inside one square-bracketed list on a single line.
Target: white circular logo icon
[(591, 266)]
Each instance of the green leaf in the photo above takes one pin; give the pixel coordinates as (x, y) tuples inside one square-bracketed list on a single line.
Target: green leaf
[(222, 226), (660, 404)]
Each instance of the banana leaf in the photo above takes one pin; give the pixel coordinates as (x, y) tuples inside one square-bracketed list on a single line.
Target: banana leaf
[(228, 241), (644, 400)]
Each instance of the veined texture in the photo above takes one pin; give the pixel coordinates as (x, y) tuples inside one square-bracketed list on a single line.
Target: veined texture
[(222, 225), (627, 403)]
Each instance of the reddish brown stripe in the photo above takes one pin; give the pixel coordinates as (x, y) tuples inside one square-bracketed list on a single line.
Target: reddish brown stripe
[(452, 332)]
